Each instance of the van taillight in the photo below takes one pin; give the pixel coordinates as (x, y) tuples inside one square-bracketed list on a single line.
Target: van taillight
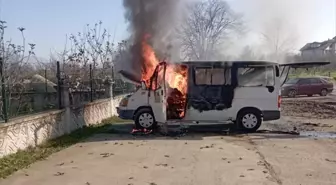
[(279, 101)]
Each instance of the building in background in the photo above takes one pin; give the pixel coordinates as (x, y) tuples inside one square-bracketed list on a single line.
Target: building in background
[(319, 51)]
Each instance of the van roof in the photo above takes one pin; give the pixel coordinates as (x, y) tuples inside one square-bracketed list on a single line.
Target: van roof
[(227, 63)]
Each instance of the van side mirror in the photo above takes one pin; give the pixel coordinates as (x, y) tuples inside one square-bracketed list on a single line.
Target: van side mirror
[(143, 85)]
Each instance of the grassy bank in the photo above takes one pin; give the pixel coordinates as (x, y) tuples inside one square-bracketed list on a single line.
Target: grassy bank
[(331, 74), (22, 159)]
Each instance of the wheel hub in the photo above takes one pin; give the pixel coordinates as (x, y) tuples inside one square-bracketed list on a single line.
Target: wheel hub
[(146, 120), (250, 121)]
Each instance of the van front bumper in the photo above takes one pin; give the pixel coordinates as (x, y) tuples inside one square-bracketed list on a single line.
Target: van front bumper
[(125, 114), (270, 115)]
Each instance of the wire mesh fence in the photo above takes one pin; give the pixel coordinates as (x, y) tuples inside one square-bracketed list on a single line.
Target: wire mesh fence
[(44, 89)]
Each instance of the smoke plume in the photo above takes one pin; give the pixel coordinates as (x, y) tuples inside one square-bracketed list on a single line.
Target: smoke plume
[(299, 21), (153, 20)]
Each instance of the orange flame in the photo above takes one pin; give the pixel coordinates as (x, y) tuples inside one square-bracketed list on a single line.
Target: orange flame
[(149, 64), (176, 75)]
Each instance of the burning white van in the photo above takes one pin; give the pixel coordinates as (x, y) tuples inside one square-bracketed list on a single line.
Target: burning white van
[(244, 93)]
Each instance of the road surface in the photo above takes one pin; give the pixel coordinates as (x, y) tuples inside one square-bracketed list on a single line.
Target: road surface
[(119, 158)]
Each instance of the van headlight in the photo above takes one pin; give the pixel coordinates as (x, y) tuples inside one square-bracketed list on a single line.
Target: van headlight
[(123, 102)]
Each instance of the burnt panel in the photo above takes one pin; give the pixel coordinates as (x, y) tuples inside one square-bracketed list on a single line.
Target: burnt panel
[(211, 97)]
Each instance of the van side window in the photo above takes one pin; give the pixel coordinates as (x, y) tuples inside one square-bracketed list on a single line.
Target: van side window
[(256, 76), (218, 76), (213, 76), (203, 76)]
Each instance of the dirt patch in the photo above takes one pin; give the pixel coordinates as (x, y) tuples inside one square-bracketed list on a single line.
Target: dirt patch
[(309, 109)]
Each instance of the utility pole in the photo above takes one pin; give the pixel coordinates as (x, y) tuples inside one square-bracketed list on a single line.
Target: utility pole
[(3, 91), (59, 83), (91, 83)]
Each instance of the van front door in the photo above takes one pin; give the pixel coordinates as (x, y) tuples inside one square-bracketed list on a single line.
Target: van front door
[(158, 98)]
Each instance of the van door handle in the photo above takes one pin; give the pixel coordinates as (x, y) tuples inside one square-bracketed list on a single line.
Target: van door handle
[(162, 92)]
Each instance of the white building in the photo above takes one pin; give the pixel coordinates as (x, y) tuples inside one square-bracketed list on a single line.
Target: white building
[(319, 51)]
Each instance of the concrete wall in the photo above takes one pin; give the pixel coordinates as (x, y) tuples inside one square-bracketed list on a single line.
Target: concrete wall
[(33, 130)]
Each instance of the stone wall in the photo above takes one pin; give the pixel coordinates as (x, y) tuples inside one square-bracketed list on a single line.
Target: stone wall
[(32, 130)]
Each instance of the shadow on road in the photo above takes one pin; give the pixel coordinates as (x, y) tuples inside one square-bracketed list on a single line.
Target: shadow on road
[(119, 132)]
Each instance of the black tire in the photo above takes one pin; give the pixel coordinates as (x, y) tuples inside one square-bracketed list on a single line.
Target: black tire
[(253, 117), (292, 93), (148, 123), (324, 92)]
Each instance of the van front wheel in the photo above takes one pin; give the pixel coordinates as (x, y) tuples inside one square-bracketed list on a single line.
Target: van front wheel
[(249, 120), (144, 119)]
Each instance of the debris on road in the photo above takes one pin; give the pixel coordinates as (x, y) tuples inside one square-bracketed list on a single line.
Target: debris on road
[(141, 131), (329, 160), (59, 174), (61, 164), (164, 165), (104, 155)]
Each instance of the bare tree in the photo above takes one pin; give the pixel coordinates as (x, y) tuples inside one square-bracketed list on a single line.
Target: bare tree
[(248, 53), (92, 46), (279, 39), (207, 26), (15, 57), (15, 66)]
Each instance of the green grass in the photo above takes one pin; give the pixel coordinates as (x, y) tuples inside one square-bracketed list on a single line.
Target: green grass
[(22, 159), (309, 73)]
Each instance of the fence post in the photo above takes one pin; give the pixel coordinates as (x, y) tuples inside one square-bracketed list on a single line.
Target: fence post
[(59, 91), (91, 84), (3, 91), (46, 80), (113, 82)]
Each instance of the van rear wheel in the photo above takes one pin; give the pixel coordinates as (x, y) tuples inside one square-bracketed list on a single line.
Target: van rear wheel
[(144, 119), (249, 120)]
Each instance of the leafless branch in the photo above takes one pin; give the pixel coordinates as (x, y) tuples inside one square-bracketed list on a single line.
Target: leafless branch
[(206, 27)]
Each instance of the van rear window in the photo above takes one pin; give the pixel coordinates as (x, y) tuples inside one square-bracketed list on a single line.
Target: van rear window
[(256, 76)]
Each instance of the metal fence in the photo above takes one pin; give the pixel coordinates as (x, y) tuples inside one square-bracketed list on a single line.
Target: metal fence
[(45, 89)]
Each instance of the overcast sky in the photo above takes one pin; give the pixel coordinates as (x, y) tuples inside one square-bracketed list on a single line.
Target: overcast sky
[(47, 22)]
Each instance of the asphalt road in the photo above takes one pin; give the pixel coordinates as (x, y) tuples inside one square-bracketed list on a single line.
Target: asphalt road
[(196, 158)]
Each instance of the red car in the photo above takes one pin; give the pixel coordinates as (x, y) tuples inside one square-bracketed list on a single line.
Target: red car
[(307, 86)]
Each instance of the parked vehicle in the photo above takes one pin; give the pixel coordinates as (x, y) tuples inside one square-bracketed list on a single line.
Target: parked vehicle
[(307, 86), (243, 93)]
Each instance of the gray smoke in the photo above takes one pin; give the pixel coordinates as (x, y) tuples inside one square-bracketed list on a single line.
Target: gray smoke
[(154, 19)]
